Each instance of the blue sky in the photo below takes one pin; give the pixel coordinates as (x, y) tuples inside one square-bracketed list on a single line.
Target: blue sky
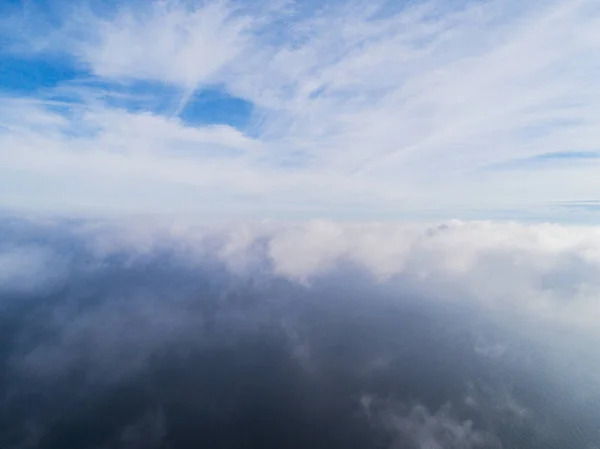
[(345, 109)]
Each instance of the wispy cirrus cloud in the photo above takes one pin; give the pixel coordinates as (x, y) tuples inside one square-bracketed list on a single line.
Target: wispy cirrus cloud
[(356, 110)]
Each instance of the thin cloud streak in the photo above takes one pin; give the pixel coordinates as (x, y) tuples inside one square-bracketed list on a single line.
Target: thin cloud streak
[(371, 108)]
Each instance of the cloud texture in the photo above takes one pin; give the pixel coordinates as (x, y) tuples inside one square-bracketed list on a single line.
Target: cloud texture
[(362, 109), (455, 335)]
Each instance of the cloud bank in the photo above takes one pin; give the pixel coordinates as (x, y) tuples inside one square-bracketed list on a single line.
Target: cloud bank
[(453, 335), (343, 109)]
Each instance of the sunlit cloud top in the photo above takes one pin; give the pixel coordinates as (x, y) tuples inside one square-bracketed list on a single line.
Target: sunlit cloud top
[(355, 109)]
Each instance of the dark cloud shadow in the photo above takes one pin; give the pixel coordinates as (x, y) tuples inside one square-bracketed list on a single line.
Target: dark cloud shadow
[(154, 351)]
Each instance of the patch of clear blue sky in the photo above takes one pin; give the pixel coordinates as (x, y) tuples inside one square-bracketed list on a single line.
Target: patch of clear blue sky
[(214, 105), (32, 74), (547, 158), (29, 75), (42, 73), (208, 105), (56, 76)]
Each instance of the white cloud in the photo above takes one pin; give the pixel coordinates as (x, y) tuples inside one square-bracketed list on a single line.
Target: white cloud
[(360, 109), (419, 428), (442, 430), (548, 271), (545, 273), (166, 41)]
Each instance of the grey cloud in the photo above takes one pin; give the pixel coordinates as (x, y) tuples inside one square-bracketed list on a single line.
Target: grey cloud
[(421, 429), (27, 269), (159, 336)]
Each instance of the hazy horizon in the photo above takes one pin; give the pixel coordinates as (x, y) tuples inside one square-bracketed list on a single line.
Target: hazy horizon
[(288, 224)]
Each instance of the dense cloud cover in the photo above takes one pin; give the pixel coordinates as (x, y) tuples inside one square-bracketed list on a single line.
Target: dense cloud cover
[(321, 335)]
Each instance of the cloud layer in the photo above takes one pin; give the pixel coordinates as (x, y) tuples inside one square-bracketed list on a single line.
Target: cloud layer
[(358, 109), (456, 335)]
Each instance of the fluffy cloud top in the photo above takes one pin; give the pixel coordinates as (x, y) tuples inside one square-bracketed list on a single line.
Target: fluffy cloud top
[(350, 108), (548, 271), (470, 335)]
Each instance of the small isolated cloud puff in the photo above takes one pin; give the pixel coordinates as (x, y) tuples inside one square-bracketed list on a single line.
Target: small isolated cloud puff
[(442, 430)]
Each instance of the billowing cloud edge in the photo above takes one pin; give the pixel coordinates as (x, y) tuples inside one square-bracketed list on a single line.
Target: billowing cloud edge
[(537, 280), (547, 270)]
